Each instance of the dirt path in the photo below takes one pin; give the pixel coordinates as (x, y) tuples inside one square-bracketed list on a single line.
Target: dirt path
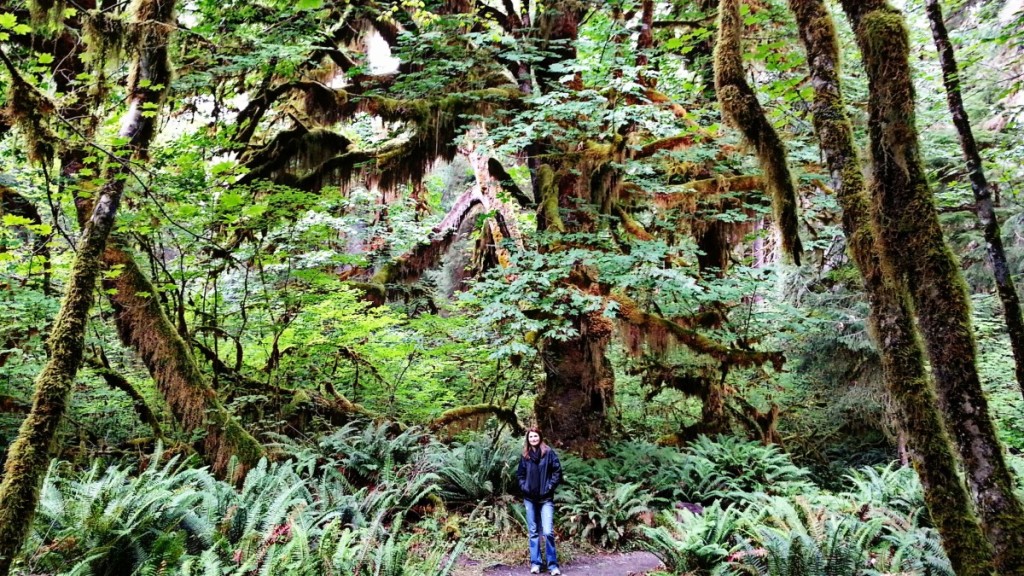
[(629, 564)]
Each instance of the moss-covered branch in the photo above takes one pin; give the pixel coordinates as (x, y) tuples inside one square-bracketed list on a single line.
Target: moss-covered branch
[(655, 327), (411, 265), (741, 109), (463, 413), (143, 325), (118, 382), (703, 190)]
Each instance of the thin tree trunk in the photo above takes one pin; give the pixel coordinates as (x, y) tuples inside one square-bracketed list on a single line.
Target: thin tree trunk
[(914, 250), (890, 320), (982, 191), (30, 453)]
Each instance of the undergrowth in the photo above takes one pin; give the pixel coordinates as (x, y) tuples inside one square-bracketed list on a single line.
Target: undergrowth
[(380, 500)]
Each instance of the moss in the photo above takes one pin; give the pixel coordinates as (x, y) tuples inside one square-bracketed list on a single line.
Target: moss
[(30, 110), (741, 109), (105, 35), (48, 13), (463, 413), (142, 324), (653, 326), (548, 217)]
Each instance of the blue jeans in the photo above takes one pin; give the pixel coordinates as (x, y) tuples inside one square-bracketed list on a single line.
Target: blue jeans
[(547, 525)]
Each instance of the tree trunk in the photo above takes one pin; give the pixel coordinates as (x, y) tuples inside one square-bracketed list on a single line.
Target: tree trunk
[(914, 251), (741, 109), (579, 387), (982, 192), (30, 453), (890, 321)]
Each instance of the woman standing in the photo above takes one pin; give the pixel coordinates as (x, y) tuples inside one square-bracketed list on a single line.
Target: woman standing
[(539, 474)]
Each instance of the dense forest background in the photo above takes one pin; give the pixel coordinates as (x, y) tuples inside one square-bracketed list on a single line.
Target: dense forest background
[(283, 283)]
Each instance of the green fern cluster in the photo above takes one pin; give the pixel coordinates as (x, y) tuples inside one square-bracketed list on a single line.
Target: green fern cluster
[(734, 470), (607, 516), (288, 518), (873, 529)]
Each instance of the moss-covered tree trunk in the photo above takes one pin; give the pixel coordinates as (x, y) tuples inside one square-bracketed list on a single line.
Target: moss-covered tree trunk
[(741, 109), (914, 251), (579, 387), (30, 453), (890, 320), (982, 191)]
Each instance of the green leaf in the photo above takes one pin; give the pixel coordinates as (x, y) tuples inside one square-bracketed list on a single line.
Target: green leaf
[(8, 20), (14, 220), (308, 4)]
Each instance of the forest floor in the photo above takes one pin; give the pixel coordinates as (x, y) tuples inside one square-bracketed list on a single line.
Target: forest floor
[(624, 564)]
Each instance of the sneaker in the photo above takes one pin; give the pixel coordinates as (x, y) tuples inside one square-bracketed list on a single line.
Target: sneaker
[(534, 569), (555, 572)]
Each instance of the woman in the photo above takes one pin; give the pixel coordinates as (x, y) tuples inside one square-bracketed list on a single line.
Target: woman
[(539, 474)]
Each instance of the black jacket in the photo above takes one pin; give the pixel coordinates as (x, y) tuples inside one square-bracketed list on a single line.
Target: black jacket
[(550, 476)]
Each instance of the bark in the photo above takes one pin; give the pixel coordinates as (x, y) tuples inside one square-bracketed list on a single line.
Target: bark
[(890, 321), (741, 109), (914, 251), (29, 455), (982, 191)]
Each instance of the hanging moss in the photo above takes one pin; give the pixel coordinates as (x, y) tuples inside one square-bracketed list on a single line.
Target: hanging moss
[(31, 111), (47, 12), (105, 34), (648, 326), (741, 109)]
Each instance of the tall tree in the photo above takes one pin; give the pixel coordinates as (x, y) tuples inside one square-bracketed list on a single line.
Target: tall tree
[(914, 251), (979, 186), (891, 322), (30, 453)]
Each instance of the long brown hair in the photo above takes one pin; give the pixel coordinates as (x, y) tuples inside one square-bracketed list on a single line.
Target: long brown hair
[(526, 442)]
